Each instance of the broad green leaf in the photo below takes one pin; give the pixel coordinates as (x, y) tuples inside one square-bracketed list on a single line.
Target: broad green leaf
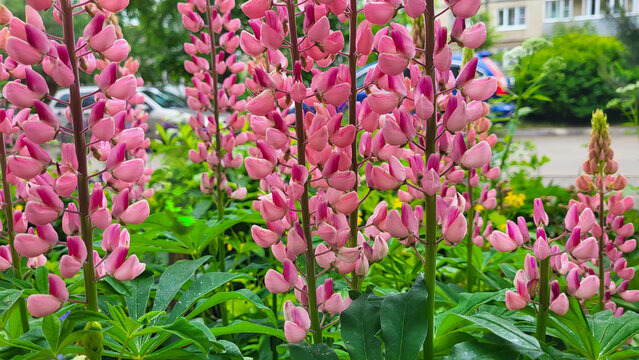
[(172, 280), (507, 331), (42, 280), (360, 324), (140, 290), (242, 294), (311, 352), (574, 330), (246, 327), (8, 298), (122, 288), (612, 332), (203, 285), (404, 322), (231, 351), (188, 331), (86, 315), (51, 330), (484, 351)]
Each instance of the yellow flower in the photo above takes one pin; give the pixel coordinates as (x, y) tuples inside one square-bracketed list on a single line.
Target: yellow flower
[(18, 207), (479, 207), (359, 218), (228, 247), (502, 227), (515, 200), (396, 203)]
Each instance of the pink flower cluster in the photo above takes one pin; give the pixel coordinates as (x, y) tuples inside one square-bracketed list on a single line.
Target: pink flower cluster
[(311, 175), (215, 37), (113, 136), (582, 260)]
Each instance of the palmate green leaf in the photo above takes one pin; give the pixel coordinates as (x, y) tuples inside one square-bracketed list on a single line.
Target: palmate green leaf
[(140, 290), (574, 330), (404, 322), (503, 328), (246, 327), (203, 285), (360, 325), (242, 294), (311, 352), (172, 280), (612, 332)]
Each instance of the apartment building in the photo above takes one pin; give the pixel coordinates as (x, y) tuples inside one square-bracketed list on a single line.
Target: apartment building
[(518, 20)]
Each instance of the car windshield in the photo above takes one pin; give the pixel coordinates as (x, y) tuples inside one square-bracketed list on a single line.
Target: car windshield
[(165, 99)]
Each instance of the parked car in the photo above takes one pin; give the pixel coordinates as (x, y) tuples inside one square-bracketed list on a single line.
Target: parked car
[(163, 107), (485, 67)]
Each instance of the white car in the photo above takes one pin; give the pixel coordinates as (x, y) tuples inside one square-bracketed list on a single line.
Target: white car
[(164, 108)]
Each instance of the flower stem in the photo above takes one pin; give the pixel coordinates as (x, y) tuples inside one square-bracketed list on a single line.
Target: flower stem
[(430, 203), (11, 234), (544, 299), (75, 105), (218, 152), (356, 282), (300, 134), (470, 270), (602, 246)]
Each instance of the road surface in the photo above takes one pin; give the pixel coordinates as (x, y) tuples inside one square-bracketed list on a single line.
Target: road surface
[(567, 149)]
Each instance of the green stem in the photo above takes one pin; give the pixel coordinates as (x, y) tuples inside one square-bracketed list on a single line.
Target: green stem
[(274, 340), (300, 134), (356, 281), (544, 299), (75, 105), (430, 202), (11, 233), (470, 270)]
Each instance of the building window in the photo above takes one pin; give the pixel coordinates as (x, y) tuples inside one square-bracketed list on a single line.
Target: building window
[(512, 18), (558, 9), (591, 8)]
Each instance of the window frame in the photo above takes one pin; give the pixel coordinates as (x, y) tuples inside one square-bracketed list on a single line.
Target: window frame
[(503, 17)]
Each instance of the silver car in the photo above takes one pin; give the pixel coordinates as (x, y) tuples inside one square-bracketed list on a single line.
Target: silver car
[(163, 107)]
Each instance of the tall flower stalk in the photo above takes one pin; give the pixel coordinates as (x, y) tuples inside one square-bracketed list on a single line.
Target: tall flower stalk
[(114, 136), (586, 246), (209, 97), (403, 141)]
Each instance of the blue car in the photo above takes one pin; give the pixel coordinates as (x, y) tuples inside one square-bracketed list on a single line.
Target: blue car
[(485, 67)]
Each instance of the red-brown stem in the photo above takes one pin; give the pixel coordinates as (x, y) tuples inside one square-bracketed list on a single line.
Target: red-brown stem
[(218, 152), (11, 233), (300, 134), (75, 105), (430, 220), (352, 120)]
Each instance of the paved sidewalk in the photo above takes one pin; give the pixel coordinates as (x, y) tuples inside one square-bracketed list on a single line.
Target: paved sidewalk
[(567, 149)]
